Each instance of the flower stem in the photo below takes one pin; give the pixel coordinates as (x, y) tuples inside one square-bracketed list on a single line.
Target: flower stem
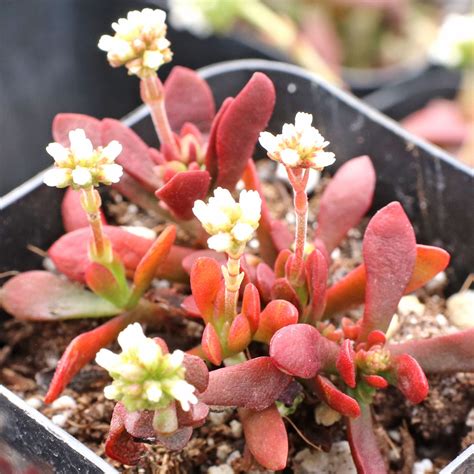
[(152, 94), (232, 285), (100, 248)]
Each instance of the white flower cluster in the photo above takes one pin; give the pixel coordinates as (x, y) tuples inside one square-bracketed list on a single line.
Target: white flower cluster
[(454, 45), (299, 145), (82, 166), (144, 377), (231, 224), (139, 42)]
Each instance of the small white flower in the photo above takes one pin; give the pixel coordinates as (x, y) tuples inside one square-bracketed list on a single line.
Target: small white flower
[(82, 166), (231, 224), (144, 377), (189, 15), (139, 42), (300, 145)]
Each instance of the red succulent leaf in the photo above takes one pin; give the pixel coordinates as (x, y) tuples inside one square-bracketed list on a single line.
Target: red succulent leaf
[(251, 306), (74, 216), (134, 191), (82, 349), (345, 200), (70, 253), (265, 278), (272, 235), (376, 338), (337, 400), (300, 350), (211, 345), (411, 380), (156, 156), (120, 445), (195, 417), (197, 373), (266, 437), (350, 291), (442, 354), (254, 384), (188, 98), (211, 153), (240, 334), (345, 363), (206, 277), (147, 268), (317, 277), (176, 441), (282, 289), (280, 263), (389, 249), (276, 315), (364, 448), (239, 127), (180, 192), (135, 156), (376, 381), (64, 123), (43, 296), (188, 262), (189, 305), (103, 283), (139, 424)]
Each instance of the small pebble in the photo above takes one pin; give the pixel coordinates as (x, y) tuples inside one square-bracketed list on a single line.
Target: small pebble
[(410, 304), (140, 231), (470, 419), (437, 283), (395, 435), (441, 319), (425, 466), (236, 428), (336, 253), (222, 469), (64, 403), (60, 419), (223, 451), (233, 456), (338, 460), (218, 417), (460, 309), (34, 402), (325, 415)]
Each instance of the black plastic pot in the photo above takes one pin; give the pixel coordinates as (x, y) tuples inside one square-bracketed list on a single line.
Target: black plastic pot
[(51, 64), (435, 190)]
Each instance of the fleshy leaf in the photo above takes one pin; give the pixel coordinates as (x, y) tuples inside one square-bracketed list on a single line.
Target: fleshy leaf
[(74, 216), (411, 379), (266, 437), (135, 156), (70, 254), (152, 260), (176, 441), (442, 354), (251, 306), (376, 381), (43, 296), (363, 442), (283, 290), (120, 445), (389, 250), (345, 363), (337, 400), (206, 279), (82, 349), (180, 192), (317, 276), (265, 278), (103, 283), (195, 417), (300, 350), (188, 262), (254, 384), (188, 98), (350, 291), (139, 424), (211, 344), (240, 334), (277, 314), (240, 126), (64, 123), (197, 373), (345, 200)]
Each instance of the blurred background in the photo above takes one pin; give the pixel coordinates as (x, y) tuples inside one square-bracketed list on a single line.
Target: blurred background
[(411, 59)]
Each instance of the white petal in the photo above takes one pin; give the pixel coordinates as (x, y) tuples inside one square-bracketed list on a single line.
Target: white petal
[(200, 211), (176, 358), (149, 353), (105, 42), (223, 199), (323, 158), (268, 141), (57, 177), (58, 152), (81, 176), (111, 173), (250, 205), (184, 393), (220, 242), (303, 120), (111, 392), (289, 157), (153, 392), (132, 336), (81, 146), (107, 359), (112, 150), (152, 59), (242, 232), (288, 131)]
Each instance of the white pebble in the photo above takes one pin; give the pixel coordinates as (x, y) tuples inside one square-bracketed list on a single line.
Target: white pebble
[(460, 309), (236, 428), (223, 451), (425, 466), (336, 253), (441, 319), (64, 403), (437, 283), (60, 419), (222, 469), (34, 402), (140, 231), (233, 456), (410, 304), (219, 417), (325, 415), (470, 419), (336, 461)]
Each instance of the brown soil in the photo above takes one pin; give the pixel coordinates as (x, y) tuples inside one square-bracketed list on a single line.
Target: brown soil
[(435, 429)]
